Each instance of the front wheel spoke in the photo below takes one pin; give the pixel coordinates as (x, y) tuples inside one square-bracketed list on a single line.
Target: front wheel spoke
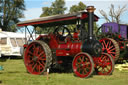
[(80, 59), (87, 63), (85, 71), (103, 58), (98, 67), (103, 70), (87, 60), (78, 70), (78, 65), (88, 68), (107, 68), (83, 58)]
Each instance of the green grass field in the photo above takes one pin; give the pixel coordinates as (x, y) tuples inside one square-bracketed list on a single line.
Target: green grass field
[(14, 73)]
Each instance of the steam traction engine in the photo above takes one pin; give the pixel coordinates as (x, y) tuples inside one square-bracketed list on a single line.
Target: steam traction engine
[(114, 39), (62, 47)]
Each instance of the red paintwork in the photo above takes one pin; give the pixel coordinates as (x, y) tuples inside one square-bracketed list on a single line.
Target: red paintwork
[(84, 16), (76, 36), (25, 45), (63, 48)]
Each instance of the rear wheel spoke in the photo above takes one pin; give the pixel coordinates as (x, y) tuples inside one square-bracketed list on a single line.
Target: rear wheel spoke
[(42, 65), (42, 53), (33, 68), (29, 52)]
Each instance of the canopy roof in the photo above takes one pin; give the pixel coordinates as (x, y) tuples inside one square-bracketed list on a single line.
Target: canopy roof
[(57, 20)]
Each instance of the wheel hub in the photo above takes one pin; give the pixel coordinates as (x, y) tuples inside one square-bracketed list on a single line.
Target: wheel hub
[(35, 58)]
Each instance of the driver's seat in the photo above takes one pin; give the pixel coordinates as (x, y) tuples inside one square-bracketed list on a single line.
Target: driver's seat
[(61, 38)]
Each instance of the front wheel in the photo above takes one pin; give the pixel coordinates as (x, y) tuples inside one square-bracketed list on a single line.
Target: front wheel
[(83, 65), (104, 65)]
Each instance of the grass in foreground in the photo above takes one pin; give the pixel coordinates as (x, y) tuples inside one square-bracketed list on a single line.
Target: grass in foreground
[(14, 73)]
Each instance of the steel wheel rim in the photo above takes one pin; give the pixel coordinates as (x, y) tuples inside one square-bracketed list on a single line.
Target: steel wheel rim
[(35, 58), (105, 65), (82, 65), (108, 47)]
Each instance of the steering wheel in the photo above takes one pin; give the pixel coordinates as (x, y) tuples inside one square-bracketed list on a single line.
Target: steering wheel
[(62, 31)]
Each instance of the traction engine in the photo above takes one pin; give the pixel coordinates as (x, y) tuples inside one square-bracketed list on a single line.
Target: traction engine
[(114, 40), (63, 48)]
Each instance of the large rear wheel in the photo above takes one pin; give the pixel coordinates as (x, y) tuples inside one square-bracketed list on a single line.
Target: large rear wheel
[(111, 47), (37, 57), (83, 65)]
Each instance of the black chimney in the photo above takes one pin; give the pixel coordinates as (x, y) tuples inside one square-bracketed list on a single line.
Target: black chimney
[(90, 10)]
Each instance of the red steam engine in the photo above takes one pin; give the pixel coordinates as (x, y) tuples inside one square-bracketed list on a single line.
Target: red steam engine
[(61, 47)]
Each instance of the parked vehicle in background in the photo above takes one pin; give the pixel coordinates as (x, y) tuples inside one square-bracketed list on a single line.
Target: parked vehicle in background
[(114, 39), (11, 43)]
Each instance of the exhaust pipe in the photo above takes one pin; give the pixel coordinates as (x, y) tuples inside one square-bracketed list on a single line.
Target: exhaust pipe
[(91, 45), (90, 10)]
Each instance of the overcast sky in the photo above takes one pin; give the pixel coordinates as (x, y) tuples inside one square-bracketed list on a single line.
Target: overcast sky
[(34, 7)]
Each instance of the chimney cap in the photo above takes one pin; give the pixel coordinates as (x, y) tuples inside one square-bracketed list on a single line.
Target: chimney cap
[(90, 9)]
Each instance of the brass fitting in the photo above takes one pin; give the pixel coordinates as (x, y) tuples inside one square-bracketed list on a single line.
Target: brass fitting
[(90, 9)]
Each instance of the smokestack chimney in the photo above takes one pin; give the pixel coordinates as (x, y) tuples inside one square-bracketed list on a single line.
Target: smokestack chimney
[(90, 10)]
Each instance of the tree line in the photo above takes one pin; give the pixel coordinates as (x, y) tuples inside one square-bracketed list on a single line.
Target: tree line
[(10, 13)]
